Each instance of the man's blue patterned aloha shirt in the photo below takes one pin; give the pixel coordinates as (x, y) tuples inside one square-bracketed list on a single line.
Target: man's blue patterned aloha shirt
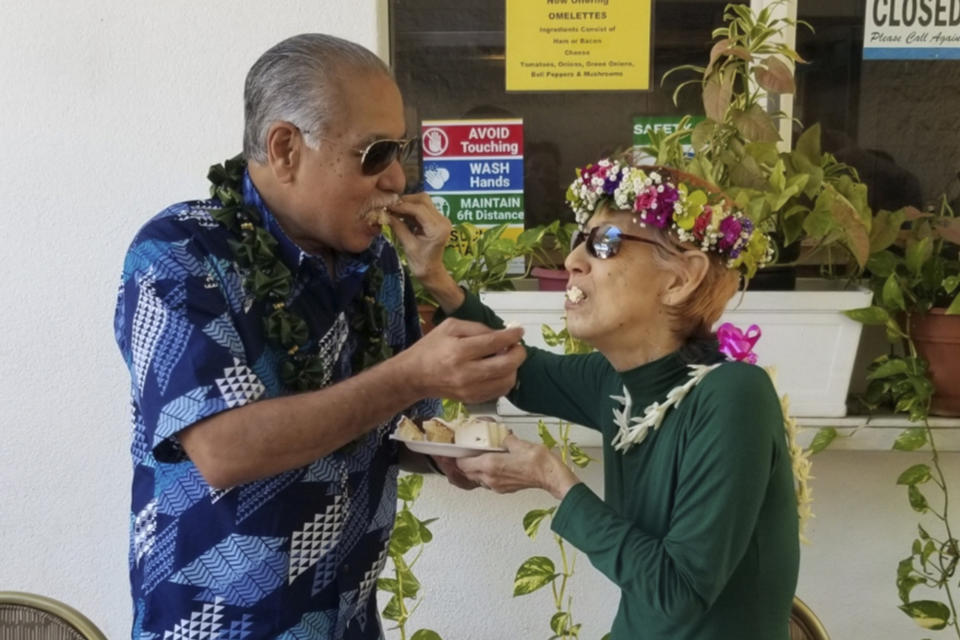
[(291, 556)]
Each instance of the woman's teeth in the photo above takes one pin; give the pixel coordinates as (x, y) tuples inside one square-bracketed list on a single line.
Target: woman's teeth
[(575, 294)]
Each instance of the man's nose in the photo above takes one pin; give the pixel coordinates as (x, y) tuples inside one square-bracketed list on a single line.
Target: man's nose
[(393, 179)]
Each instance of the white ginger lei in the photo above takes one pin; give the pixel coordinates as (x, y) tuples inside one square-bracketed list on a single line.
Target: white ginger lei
[(634, 430)]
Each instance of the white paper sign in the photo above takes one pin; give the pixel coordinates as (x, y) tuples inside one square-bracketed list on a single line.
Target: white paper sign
[(912, 30)]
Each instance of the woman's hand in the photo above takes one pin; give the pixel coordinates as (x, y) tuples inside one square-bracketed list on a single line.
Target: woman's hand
[(455, 476), (523, 466)]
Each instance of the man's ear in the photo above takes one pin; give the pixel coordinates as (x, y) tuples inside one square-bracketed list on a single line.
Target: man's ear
[(284, 146), (690, 272)]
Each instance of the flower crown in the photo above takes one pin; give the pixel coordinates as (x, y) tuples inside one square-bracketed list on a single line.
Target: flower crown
[(694, 214)]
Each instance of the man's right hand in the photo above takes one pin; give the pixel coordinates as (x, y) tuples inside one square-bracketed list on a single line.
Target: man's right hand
[(466, 361)]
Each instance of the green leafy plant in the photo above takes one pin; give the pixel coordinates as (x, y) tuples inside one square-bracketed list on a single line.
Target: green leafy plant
[(554, 245), (479, 259), (913, 270), (537, 572), (797, 194), (410, 534)]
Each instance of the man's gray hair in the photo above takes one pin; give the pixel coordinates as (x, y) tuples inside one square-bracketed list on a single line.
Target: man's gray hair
[(296, 81)]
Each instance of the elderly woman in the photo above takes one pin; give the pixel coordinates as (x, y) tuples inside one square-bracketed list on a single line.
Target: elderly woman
[(698, 525)]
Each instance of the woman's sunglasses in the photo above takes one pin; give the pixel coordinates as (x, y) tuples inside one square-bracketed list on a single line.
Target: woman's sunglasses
[(603, 241)]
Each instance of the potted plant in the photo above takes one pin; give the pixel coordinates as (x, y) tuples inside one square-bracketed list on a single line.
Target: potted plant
[(915, 278), (804, 197), (548, 266), (480, 259), (487, 259)]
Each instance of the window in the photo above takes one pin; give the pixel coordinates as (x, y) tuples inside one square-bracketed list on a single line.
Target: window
[(892, 120)]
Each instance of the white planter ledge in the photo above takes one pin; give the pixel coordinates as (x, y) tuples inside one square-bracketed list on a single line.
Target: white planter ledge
[(805, 337), (854, 433)]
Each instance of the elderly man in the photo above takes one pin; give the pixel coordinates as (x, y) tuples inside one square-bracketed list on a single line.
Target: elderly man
[(272, 340)]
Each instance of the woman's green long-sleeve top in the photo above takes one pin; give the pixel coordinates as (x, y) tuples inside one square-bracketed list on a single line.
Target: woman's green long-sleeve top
[(698, 527)]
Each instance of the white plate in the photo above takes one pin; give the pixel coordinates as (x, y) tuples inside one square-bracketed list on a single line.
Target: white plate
[(444, 449)]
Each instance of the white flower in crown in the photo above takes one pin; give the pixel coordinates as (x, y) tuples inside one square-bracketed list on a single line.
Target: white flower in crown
[(694, 214)]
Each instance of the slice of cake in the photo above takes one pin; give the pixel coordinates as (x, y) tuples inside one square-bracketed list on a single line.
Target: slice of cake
[(407, 429), (480, 432), (438, 431)]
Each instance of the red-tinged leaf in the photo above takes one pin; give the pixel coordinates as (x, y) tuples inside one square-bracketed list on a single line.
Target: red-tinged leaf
[(756, 125), (949, 229), (720, 48), (912, 213), (775, 76), (701, 133), (856, 232), (717, 91)]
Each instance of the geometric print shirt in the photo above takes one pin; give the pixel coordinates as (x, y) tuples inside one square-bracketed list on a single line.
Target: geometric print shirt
[(294, 556)]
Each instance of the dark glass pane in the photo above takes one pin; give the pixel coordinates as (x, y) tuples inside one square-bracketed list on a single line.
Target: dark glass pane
[(894, 120), (449, 62)]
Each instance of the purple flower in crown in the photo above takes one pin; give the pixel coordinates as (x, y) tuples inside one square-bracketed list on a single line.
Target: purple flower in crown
[(668, 197), (746, 228), (612, 182), (730, 229), (660, 217)]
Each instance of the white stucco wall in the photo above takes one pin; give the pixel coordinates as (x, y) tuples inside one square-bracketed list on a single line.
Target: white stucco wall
[(112, 109), (109, 111)]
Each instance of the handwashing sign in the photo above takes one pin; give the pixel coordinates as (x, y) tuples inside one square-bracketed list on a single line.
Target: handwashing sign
[(473, 170)]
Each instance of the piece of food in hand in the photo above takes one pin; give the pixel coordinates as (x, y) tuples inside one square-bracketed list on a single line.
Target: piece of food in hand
[(407, 429), (438, 431), (480, 431), (377, 215)]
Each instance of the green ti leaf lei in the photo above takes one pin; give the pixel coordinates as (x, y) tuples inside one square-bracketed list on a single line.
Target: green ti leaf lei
[(271, 282)]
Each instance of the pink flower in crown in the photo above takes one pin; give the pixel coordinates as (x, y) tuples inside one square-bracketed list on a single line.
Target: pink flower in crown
[(645, 199), (593, 171)]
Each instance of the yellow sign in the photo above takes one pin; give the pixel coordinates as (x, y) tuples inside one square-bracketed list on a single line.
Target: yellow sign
[(578, 45)]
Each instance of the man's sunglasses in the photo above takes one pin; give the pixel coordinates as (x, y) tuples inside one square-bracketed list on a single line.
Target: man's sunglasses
[(380, 154), (603, 241)]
